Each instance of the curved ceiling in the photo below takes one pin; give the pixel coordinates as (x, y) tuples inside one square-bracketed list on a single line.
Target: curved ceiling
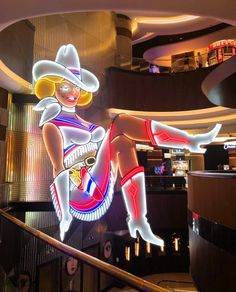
[(180, 17), (168, 26), (154, 54), (210, 13), (12, 11)]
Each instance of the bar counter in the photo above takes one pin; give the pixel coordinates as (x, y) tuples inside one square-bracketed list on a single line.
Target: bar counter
[(212, 229)]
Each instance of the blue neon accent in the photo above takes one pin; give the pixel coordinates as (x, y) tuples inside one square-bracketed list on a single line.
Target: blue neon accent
[(71, 122), (75, 123), (69, 147), (92, 127), (97, 206), (76, 73), (89, 186)]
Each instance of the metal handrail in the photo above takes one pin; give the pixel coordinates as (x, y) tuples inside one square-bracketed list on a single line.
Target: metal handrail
[(130, 279)]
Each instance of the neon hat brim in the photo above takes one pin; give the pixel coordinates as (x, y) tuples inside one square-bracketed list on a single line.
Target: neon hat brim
[(43, 68)]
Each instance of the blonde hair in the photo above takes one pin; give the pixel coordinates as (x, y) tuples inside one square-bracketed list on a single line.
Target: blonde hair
[(46, 86)]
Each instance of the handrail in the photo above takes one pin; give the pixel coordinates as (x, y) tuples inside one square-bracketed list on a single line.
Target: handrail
[(131, 280), (214, 173)]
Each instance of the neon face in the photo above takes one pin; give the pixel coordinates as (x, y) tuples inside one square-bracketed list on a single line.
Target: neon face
[(67, 93)]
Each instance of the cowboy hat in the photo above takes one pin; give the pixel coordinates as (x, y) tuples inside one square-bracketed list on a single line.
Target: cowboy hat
[(66, 66)]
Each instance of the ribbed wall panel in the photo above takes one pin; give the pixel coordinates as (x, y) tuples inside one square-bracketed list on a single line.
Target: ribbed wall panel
[(40, 220), (3, 117), (28, 167), (35, 252), (22, 118), (93, 34), (2, 161)]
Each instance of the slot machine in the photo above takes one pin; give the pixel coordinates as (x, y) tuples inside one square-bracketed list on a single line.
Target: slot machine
[(220, 51)]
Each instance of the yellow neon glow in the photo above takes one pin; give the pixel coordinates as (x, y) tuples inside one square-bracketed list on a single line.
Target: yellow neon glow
[(162, 248), (46, 87), (176, 244), (127, 253), (148, 247), (136, 248), (85, 98)]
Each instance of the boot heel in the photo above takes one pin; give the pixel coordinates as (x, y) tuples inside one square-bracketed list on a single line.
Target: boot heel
[(132, 229)]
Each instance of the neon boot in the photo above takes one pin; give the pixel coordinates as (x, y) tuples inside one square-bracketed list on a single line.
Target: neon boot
[(163, 135), (61, 184), (134, 194)]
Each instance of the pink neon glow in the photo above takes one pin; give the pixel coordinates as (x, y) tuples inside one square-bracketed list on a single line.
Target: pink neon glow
[(85, 206), (149, 131), (165, 136), (195, 216), (131, 174), (97, 193)]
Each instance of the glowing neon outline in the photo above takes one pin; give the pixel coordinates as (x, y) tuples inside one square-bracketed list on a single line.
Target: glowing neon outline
[(167, 136), (230, 145), (65, 54), (138, 223), (100, 193), (95, 202)]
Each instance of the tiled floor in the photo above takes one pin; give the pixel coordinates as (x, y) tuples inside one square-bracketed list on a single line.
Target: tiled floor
[(176, 282)]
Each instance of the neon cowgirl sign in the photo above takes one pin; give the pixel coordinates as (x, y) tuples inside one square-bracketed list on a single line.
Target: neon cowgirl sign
[(85, 157)]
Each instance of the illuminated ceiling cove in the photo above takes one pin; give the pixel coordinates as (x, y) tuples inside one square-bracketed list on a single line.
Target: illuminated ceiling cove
[(204, 13), (223, 11)]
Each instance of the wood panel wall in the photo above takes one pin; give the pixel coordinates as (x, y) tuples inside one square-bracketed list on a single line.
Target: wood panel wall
[(213, 198), (156, 92), (212, 230)]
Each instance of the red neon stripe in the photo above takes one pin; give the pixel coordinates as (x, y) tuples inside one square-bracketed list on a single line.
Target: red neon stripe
[(135, 208), (74, 70), (92, 203), (195, 216), (165, 136), (134, 199), (129, 175), (149, 132), (98, 193)]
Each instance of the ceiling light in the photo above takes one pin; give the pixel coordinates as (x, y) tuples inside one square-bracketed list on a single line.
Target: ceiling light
[(145, 36), (165, 20)]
